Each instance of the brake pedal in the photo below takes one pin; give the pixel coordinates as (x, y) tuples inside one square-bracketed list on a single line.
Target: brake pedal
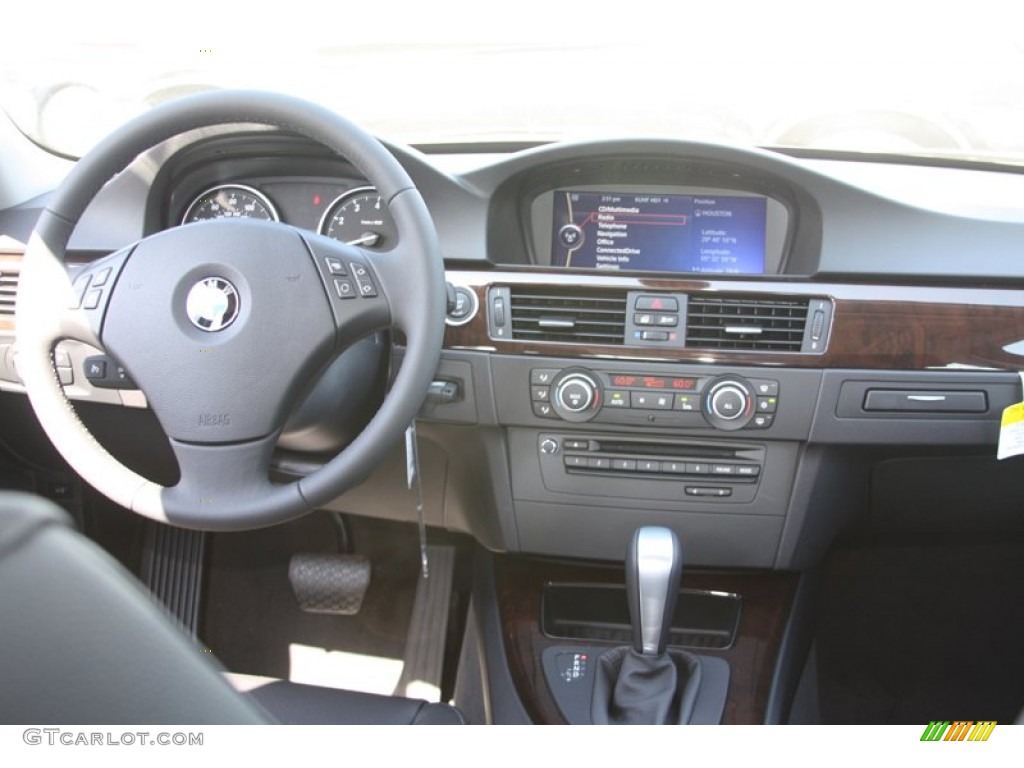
[(329, 583)]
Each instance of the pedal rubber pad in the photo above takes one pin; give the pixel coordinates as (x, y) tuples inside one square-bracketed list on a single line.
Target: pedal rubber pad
[(329, 583)]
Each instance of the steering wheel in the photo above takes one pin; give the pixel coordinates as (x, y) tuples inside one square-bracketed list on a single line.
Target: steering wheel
[(226, 324)]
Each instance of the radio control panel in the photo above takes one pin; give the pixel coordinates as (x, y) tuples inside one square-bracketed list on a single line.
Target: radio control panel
[(689, 468), (726, 402)]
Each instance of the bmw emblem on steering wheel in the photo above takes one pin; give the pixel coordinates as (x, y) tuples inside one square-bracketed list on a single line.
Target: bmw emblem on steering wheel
[(212, 304)]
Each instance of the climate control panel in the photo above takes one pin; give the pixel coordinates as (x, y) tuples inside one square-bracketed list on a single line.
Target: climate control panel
[(726, 402)]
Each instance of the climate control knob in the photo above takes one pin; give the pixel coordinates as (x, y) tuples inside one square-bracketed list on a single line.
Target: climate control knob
[(728, 403), (576, 395)]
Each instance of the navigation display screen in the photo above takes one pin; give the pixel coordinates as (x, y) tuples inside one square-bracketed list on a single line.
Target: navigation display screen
[(711, 234)]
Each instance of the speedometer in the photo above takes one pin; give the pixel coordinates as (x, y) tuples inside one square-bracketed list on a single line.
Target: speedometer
[(230, 201), (360, 217)]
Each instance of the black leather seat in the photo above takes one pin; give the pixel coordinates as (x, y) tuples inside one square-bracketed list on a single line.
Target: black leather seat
[(82, 642)]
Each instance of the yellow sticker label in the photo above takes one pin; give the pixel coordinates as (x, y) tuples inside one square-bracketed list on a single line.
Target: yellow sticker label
[(1011, 430), (1013, 414)]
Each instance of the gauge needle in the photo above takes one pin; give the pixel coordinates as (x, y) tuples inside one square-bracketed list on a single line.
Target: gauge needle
[(369, 238)]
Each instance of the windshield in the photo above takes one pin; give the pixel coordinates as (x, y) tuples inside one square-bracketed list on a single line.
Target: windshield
[(941, 92)]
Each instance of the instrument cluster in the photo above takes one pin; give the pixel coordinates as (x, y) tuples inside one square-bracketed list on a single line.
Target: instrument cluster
[(354, 214)]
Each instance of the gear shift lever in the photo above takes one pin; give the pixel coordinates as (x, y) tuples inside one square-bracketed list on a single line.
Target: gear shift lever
[(654, 564), (647, 684)]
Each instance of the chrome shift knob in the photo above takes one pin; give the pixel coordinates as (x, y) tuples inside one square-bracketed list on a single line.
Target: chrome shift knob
[(654, 563)]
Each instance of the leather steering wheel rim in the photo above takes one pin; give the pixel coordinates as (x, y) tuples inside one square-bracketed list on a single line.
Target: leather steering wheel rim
[(224, 485)]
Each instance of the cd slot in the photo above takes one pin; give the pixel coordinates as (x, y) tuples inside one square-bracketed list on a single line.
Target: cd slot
[(659, 449)]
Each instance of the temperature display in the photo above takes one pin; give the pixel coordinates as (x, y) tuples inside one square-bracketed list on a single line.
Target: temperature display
[(677, 383)]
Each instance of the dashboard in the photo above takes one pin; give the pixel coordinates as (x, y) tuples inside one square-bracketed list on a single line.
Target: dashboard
[(700, 331)]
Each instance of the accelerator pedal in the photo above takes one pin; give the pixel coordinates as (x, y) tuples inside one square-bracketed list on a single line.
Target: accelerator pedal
[(333, 584)]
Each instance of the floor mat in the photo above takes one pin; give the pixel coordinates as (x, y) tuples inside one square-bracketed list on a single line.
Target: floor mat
[(910, 634), (252, 622)]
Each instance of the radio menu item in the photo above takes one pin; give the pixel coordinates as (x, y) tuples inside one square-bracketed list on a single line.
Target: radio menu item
[(718, 234)]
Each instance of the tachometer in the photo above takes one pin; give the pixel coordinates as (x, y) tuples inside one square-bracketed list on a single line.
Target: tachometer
[(360, 217), (230, 201)]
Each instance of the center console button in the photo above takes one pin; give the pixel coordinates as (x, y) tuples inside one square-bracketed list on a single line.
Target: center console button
[(616, 398), (544, 410), (728, 403), (664, 303), (702, 491), (765, 388), (687, 403), (542, 375), (652, 401)]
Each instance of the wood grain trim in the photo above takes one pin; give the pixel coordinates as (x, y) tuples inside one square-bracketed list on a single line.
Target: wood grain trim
[(767, 600), (884, 327)]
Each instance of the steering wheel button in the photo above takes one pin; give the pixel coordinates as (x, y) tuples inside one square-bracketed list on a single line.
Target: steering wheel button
[(95, 368), (364, 281), (81, 286), (101, 278), (92, 299), (335, 266), (344, 288), (121, 376)]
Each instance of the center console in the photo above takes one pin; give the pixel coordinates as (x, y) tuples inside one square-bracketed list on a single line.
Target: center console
[(710, 452)]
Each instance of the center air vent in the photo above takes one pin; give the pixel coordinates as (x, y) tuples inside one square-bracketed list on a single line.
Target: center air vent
[(749, 323), (8, 290), (593, 317)]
